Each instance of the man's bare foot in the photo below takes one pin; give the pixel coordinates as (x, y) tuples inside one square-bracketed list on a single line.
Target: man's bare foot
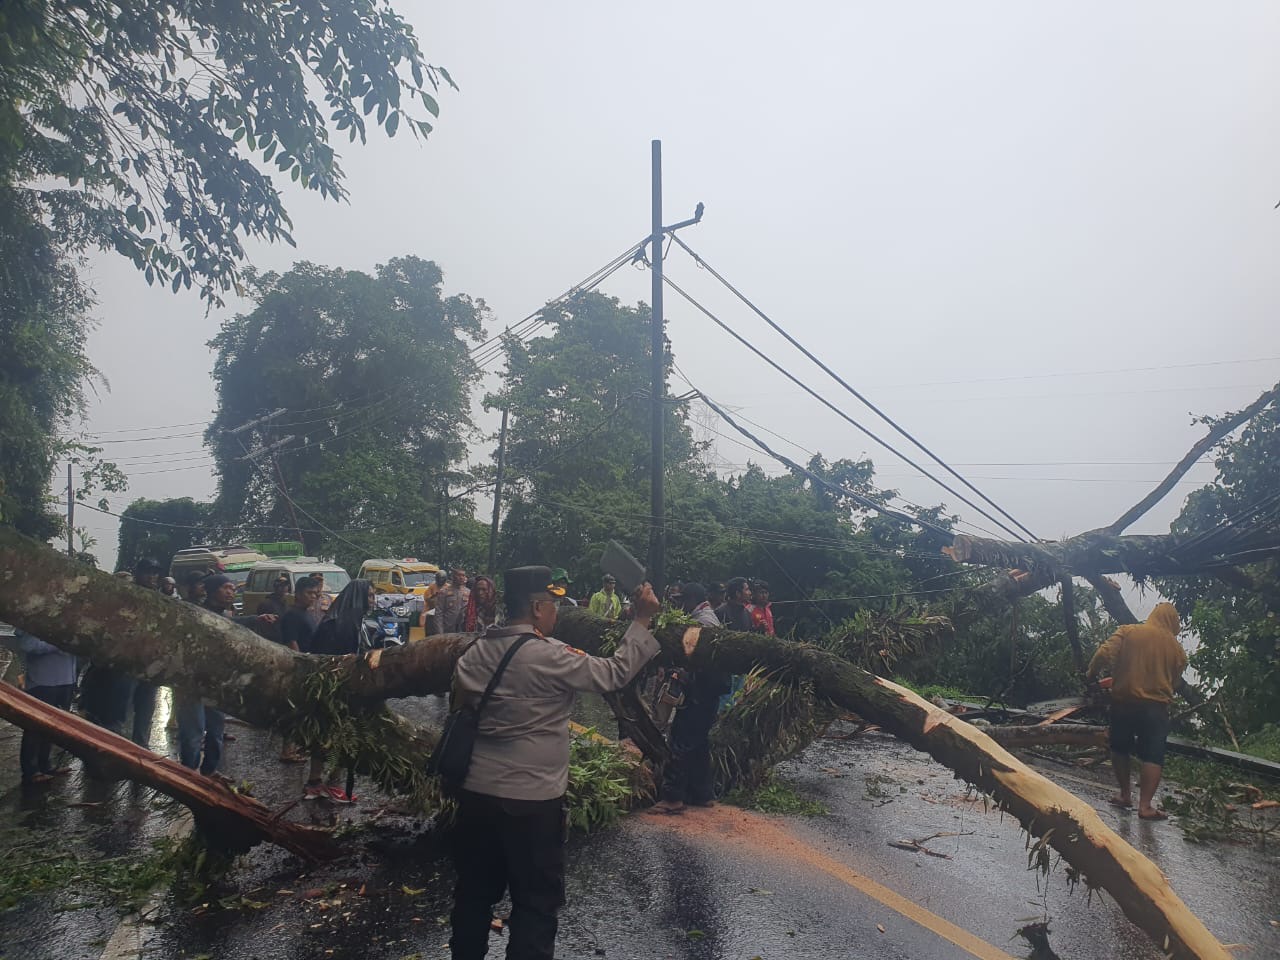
[(1152, 814), (1120, 800)]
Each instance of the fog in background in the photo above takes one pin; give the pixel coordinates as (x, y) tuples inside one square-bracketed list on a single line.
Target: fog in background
[(1040, 236)]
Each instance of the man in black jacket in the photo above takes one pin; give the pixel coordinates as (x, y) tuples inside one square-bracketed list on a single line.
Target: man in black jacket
[(734, 614)]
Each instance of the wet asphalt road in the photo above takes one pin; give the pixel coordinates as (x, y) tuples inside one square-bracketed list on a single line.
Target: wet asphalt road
[(711, 884)]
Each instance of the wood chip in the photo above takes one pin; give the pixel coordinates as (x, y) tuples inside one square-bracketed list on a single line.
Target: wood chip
[(690, 640)]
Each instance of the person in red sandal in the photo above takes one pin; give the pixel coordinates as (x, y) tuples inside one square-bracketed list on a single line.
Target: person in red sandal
[(1146, 663)]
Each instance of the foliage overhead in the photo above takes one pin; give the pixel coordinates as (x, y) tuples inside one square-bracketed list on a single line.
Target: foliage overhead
[(159, 128), (373, 373)]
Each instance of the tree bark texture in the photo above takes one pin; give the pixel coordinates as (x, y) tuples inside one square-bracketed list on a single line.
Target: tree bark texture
[(91, 613)]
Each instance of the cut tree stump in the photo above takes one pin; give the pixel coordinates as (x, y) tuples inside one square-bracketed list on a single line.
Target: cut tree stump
[(232, 820)]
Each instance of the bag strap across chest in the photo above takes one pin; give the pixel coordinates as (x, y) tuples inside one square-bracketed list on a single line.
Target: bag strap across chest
[(502, 666)]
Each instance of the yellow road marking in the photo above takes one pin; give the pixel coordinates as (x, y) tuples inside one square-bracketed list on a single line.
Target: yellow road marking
[(765, 837)]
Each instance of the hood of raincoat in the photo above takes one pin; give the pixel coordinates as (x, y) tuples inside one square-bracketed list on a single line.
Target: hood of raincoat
[(1165, 616)]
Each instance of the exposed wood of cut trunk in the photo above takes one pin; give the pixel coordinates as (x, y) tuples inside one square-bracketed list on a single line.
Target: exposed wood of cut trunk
[(237, 822), (1070, 825)]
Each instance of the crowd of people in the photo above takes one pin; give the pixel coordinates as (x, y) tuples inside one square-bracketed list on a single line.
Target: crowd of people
[(511, 793)]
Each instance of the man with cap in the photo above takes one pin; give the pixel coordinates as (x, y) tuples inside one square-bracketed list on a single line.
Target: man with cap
[(562, 582), (510, 823), (606, 602)]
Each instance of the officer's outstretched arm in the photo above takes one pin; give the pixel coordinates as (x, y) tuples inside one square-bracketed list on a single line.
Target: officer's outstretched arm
[(576, 670)]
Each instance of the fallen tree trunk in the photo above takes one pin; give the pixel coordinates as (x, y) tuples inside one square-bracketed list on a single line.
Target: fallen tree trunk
[(1078, 734), (233, 821), (91, 613), (1064, 822)]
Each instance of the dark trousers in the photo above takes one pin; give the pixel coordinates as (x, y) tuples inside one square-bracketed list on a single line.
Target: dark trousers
[(687, 778), (201, 731), (36, 752), (144, 709), (501, 845)]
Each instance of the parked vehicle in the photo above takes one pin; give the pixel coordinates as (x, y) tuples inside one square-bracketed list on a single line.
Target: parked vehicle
[(265, 572), (399, 614), (233, 561), (409, 575)]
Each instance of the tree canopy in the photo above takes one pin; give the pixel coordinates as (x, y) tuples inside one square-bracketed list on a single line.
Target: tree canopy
[(578, 461), (160, 528), (373, 375), (158, 128), (1236, 616)]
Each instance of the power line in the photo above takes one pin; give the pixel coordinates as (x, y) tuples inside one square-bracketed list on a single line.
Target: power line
[(747, 446), (844, 383), (831, 406)]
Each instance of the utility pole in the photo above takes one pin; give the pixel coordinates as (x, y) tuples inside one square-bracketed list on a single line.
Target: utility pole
[(444, 506), (497, 494), (658, 384), (657, 391), (71, 515)]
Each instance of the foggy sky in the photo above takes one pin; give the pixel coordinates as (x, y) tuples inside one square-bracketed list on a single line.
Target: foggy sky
[(968, 210)]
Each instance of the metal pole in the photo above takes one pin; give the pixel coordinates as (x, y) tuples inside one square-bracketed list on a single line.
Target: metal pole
[(497, 494), (71, 515), (657, 506)]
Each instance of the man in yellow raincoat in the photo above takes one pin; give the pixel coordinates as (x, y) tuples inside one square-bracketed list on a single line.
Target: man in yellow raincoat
[(1146, 663)]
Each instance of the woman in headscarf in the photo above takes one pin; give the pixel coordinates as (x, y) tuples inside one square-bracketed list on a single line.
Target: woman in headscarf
[(340, 631), (338, 635), (482, 606)]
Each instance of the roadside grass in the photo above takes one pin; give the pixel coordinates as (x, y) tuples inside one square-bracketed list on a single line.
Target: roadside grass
[(777, 796)]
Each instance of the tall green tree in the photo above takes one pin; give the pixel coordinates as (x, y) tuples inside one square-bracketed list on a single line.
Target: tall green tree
[(44, 367), (373, 375), (154, 127), (578, 460), (578, 447), (160, 528), (1236, 617)]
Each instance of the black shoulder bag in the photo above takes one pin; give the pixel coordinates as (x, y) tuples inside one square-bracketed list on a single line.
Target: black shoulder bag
[(451, 758)]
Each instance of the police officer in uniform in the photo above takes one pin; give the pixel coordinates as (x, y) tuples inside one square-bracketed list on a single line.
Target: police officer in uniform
[(510, 825)]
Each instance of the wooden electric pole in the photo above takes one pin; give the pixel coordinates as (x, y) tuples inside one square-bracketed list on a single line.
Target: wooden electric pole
[(497, 495), (658, 380), (657, 504), (71, 515)]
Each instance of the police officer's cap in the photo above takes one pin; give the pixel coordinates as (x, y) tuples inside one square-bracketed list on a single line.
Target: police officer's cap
[(520, 583)]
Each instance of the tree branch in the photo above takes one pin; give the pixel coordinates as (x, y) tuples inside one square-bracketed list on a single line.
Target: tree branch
[(1219, 430)]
